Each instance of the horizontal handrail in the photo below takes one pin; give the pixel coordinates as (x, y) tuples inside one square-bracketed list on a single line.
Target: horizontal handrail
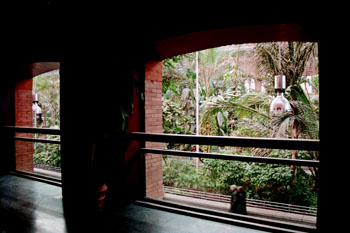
[(37, 140), (243, 158), (24, 129), (272, 143)]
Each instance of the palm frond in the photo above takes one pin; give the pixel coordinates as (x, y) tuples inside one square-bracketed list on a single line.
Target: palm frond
[(289, 59), (302, 115), (233, 104)]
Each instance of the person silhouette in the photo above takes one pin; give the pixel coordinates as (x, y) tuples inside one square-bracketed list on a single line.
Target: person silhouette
[(238, 200)]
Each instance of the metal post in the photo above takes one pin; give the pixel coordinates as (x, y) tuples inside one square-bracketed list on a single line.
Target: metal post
[(197, 109)]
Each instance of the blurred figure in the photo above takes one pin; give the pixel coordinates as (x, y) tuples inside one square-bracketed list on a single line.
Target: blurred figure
[(238, 200)]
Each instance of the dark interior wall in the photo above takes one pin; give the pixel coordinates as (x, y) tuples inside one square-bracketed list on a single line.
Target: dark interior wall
[(12, 73), (7, 92), (234, 34), (98, 76), (96, 90)]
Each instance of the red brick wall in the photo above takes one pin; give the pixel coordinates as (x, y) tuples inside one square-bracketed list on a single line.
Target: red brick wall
[(153, 123), (23, 117)]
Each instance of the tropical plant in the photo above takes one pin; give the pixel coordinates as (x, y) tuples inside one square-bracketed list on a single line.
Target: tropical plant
[(213, 63), (47, 86), (287, 58), (290, 59), (179, 96), (261, 181), (47, 154), (228, 109), (175, 120), (180, 173)]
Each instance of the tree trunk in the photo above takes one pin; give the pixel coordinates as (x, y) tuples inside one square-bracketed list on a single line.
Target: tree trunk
[(234, 91), (54, 115), (294, 152)]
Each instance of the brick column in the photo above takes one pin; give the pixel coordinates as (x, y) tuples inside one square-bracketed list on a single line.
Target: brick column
[(23, 117), (153, 123)]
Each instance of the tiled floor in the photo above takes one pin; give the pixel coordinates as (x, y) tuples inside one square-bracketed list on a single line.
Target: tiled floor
[(32, 206)]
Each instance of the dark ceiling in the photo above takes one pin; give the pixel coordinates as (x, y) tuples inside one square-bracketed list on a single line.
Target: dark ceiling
[(52, 31)]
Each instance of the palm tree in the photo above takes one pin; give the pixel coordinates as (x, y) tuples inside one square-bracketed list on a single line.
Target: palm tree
[(236, 107), (290, 59), (179, 85), (213, 63), (47, 85), (303, 120)]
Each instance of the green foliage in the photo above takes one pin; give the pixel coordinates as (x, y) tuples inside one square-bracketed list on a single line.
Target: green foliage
[(315, 82), (175, 120), (229, 112), (288, 58), (170, 62), (180, 173), (47, 86), (47, 154), (268, 182), (178, 95), (213, 64)]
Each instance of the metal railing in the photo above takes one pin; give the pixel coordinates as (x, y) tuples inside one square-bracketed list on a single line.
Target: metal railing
[(272, 143), (34, 130), (296, 144), (250, 221), (289, 208), (22, 129)]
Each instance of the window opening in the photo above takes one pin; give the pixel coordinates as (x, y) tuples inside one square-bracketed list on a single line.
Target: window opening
[(37, 106), (236, 89)]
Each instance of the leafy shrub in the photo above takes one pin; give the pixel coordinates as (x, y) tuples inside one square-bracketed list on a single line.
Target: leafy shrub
[(47, 154), (268, 182), (181, 173)]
